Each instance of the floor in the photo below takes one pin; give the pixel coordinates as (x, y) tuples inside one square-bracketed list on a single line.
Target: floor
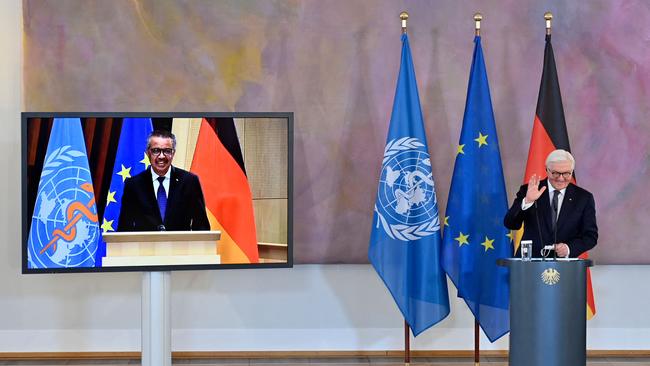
[(363, 361)]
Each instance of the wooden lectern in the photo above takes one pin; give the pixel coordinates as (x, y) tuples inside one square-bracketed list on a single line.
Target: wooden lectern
[(160, 248)]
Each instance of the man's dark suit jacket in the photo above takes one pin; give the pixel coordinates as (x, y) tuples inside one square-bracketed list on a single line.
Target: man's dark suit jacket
[(185, 204), (576, 225)]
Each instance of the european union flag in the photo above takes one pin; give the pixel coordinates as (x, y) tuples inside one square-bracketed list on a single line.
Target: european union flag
[(64, 230), (474, 236), (130, 160), (405, 240)]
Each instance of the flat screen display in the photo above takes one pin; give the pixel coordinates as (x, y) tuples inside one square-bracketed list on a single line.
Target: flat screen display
[(156, 191)]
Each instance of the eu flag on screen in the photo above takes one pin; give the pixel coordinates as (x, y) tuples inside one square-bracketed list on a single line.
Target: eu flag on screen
[(474, 235), (405, 239), (64, 230), (130, 159)]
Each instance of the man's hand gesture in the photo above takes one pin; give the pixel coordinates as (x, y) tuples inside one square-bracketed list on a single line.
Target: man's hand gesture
[(534, 191)]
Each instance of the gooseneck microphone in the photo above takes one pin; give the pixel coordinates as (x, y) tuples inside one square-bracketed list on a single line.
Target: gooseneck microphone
[(543, 253), (555, 210), (555, 239)]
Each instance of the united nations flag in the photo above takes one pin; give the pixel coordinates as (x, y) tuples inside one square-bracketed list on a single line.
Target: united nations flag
[(405, 239), (64, 229)]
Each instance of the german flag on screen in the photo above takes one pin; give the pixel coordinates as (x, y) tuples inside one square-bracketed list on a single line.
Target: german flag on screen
[(218, 163)]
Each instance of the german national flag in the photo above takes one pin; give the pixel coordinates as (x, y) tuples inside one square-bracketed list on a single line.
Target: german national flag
[(550, 133), (218, 163)]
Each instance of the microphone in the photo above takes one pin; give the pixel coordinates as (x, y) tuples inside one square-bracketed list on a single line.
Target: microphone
[(555, 241), (161, 227), (556, 213), (539, 232)]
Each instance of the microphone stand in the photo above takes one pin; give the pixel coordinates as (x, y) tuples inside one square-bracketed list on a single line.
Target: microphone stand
[(539, 230), (555, 237)]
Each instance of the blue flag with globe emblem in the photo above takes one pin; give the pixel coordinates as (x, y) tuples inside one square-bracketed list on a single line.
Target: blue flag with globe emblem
[(405, 239), (130, 159), (64, 230), (474, 235)]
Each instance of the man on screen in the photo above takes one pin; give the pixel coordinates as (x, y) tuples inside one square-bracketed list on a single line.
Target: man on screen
[(555, 212), (162, 197)]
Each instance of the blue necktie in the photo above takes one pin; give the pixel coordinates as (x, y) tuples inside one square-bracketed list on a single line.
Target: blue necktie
[(162, 198)]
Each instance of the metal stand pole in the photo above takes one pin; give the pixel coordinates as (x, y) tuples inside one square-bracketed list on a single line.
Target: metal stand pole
[(407, 344), (477, 343), (156, 319)]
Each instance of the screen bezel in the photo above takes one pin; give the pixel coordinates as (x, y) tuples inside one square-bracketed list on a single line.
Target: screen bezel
[(24, 204)]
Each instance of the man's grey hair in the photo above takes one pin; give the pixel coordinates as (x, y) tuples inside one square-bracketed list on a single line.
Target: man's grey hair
[(163, 134), (560, 155)]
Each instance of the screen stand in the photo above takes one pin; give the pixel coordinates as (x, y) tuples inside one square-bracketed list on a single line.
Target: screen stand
[(156, 319)]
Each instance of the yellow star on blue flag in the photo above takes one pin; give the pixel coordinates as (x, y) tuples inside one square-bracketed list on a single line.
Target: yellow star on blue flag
[(481, 139), (110, 197), (124, 173), (107, 226), (145, 160)]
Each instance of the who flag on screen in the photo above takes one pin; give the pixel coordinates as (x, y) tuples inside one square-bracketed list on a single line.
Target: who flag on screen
[(64, 230), (474, 235), (130, 159), (405, 239)]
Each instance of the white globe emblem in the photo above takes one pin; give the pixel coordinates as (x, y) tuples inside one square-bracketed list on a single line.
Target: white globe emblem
[(406, 199)]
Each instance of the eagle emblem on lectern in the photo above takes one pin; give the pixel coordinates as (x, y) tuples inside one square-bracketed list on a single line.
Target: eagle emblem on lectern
[(550, 276)]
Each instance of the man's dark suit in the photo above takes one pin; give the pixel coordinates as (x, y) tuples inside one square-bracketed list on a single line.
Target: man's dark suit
[(576, 224), (185, 204)]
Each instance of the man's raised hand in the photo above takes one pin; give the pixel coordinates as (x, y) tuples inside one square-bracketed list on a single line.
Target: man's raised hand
[(534, 191)]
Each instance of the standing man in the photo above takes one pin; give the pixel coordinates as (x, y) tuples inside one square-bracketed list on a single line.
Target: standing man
[(555, 211), (162, 197)]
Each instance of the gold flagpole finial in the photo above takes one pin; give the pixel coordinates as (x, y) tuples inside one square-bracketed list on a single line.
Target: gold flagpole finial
[(477, 23), (403, 16), (548, 16)]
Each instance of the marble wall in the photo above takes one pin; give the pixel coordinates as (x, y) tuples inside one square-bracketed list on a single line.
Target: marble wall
[(334, 64)]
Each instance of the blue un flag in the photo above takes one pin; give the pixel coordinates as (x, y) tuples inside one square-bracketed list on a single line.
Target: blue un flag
[(130, 159), (405, 238), (64, 231), (474, 235)]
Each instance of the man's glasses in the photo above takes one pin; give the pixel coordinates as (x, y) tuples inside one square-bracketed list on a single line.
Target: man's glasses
[(167, 152), (556, 175)]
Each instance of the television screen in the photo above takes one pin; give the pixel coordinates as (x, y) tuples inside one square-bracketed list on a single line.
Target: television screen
[(156, 191)]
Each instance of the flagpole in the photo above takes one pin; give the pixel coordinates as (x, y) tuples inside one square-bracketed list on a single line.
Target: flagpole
[(403, 16), (477, 350), (407, 346), (548, 16)]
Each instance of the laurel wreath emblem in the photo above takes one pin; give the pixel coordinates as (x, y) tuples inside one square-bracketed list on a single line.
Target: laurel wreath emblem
[(408, 232), (401, 231), (57, 157), (395, 146)]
